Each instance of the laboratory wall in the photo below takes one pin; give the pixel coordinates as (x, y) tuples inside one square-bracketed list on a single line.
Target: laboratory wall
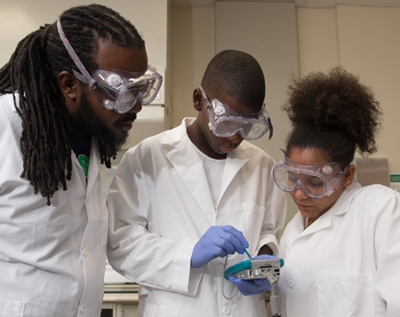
[(193, 46), (366, 42), (20, 17)]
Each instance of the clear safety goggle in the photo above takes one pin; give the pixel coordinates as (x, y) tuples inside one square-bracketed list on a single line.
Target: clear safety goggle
[(224, 122), (118, 90), (316, 180)]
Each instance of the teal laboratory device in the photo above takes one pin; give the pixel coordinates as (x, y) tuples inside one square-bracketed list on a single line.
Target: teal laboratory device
[(256, 269)]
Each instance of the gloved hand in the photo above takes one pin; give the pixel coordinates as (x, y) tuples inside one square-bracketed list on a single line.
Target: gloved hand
[(253, 287), (217, 241)]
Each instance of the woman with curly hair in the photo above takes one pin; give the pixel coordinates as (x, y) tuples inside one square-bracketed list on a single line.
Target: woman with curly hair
[(341, 249)]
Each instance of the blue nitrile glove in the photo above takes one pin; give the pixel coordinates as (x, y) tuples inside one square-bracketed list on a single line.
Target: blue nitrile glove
[(217, 241), (253, 287)]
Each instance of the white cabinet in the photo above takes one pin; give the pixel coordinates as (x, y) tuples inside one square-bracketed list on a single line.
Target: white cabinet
[(120, 301), (119, 310), (127, 310)]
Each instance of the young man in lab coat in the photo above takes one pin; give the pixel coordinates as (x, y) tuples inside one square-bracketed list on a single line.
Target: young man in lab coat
[(183, 200), (53, 143)]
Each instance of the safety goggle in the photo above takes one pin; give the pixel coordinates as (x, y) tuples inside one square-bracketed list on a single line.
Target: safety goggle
[(224, 122), (119, 90), (316, 180)]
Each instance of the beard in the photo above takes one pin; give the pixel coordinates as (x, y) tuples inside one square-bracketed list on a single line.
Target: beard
[(88, 122)]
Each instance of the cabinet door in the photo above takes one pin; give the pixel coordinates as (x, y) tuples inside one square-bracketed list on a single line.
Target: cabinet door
[(108, 310), (127, 310)]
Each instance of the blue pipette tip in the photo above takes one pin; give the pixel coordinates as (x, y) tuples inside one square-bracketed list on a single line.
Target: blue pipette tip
[(248, 254)]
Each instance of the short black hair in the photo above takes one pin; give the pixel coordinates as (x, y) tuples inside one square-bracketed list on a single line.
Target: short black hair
[(239, 75)]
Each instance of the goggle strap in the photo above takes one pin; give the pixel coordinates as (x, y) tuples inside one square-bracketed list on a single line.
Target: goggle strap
[(271, 128), (84, 76), (83, 79)]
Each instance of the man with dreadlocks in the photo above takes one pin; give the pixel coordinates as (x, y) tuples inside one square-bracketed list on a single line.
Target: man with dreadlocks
[(68, 97)]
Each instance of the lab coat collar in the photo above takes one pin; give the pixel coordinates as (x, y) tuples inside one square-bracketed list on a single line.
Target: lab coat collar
[(234, 162), (176, 135), (95, 167), (94, 164), (187, 163), (10, 100), (190, 167), (341, 207)]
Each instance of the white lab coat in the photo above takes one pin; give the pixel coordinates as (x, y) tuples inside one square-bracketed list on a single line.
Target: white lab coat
[(160, 205), (52, 258), (347, 262)]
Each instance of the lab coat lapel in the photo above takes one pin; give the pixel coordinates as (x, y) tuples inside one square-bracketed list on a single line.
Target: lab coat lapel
[(190, 168), (94, 165), (298, 234), (234, 162), (341, 206)]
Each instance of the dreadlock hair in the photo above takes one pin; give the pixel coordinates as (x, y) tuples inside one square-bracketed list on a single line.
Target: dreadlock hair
[(239, 75), (334, 113), (32, 72)]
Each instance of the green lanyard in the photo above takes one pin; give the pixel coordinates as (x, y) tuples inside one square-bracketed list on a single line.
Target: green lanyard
[(84, 162)]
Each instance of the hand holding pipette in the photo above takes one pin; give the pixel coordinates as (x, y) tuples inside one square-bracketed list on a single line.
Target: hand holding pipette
[(218, 241)]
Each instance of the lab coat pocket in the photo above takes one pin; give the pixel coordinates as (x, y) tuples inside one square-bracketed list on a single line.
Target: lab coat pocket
[(11, 308), (345, 295)]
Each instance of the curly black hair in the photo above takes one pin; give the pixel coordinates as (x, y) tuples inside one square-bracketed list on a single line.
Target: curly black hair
[(32, 72), (333, 112), (239, 75)]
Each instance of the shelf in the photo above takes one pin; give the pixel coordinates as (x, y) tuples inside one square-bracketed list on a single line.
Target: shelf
[(121, 288)]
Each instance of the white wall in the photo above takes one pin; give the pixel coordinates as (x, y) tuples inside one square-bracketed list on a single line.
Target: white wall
[(20, 17), (193, 46), (366, 42), (317, 40)]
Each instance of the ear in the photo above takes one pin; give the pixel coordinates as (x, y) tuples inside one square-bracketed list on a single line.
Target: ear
[(198, 99), (71, 90), (69, 85), (349, 175)]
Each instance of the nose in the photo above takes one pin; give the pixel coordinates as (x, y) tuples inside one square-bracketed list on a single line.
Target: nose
[(299, 193), (236, 138), (137, 107)]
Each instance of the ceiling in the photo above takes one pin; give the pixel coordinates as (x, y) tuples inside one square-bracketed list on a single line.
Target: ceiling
[(299, 3)]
